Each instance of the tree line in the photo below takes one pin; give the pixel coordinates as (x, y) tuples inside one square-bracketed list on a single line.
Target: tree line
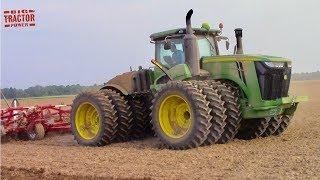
[(52, 90), (306, 76)]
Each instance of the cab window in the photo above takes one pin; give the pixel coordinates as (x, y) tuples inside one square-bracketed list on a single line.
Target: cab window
[(173, 56), (206, 46)]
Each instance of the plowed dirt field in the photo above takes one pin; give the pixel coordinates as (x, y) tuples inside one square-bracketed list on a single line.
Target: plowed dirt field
[(295, 154)]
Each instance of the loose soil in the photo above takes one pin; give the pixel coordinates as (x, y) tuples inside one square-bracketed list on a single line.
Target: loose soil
[(294, 154)]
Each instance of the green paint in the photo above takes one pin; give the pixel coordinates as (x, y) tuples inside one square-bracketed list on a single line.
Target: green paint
[(205, 26), (243, 57), (177, 72), (225, 67), (180, 72), (253, 106)]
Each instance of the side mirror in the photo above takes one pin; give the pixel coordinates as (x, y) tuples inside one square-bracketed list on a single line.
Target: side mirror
[(219, 38), (167, 45), (227, 45)]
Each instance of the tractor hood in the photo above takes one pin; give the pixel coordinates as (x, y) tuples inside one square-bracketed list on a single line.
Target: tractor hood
[(244, 57)]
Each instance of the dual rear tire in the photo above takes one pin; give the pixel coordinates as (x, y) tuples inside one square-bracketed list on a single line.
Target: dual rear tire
[(93, 119), (101, 117)]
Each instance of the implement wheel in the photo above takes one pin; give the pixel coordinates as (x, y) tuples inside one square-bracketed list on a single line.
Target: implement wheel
[(180, 115), (93, 119), (36, 132)]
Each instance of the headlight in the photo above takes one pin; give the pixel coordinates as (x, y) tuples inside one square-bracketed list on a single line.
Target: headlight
[(274, 64)]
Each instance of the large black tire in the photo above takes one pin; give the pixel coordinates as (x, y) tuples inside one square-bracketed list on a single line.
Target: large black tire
[(273, 125), (141, 116), (36, 132), (107, 114), (233, 86), (233, 113), (123, 113), (200, 116), (217, 111), (285, 121), (148, 101), (253, 128)]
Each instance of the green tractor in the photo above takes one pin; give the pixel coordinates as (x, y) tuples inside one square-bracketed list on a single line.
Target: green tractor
[(192, 96)]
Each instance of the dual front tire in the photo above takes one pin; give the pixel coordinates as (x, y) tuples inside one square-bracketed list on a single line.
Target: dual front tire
[(187, 114), (180, 115), (263, 127)]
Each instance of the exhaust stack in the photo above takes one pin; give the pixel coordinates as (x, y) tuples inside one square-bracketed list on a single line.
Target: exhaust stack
[(188, 22), (238, 33), (191, 47)]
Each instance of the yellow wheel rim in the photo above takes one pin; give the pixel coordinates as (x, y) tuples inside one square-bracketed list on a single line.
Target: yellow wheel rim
[(87, 121), (175, 116)]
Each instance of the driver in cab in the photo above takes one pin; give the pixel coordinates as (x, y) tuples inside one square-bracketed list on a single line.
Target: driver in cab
[(177, 55)]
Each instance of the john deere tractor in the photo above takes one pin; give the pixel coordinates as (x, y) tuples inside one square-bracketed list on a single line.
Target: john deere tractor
[(192, 96)]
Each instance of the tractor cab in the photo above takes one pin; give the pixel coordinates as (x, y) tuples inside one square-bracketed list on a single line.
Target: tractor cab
[(176, 58), (169, 45)]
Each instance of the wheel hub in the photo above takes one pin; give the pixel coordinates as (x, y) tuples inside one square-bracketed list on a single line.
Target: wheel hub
[(87, 121), (175, 116)]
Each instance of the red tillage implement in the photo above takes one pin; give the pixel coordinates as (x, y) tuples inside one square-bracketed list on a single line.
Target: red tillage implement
[(34, 122)]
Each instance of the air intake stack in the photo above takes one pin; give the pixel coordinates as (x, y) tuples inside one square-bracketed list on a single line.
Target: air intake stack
[(238, 33)]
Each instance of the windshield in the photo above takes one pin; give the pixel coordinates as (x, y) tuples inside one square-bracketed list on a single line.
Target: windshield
[(175, 55)]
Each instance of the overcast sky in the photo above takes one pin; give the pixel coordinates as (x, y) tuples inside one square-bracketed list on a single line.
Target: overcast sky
[(86, 42)]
